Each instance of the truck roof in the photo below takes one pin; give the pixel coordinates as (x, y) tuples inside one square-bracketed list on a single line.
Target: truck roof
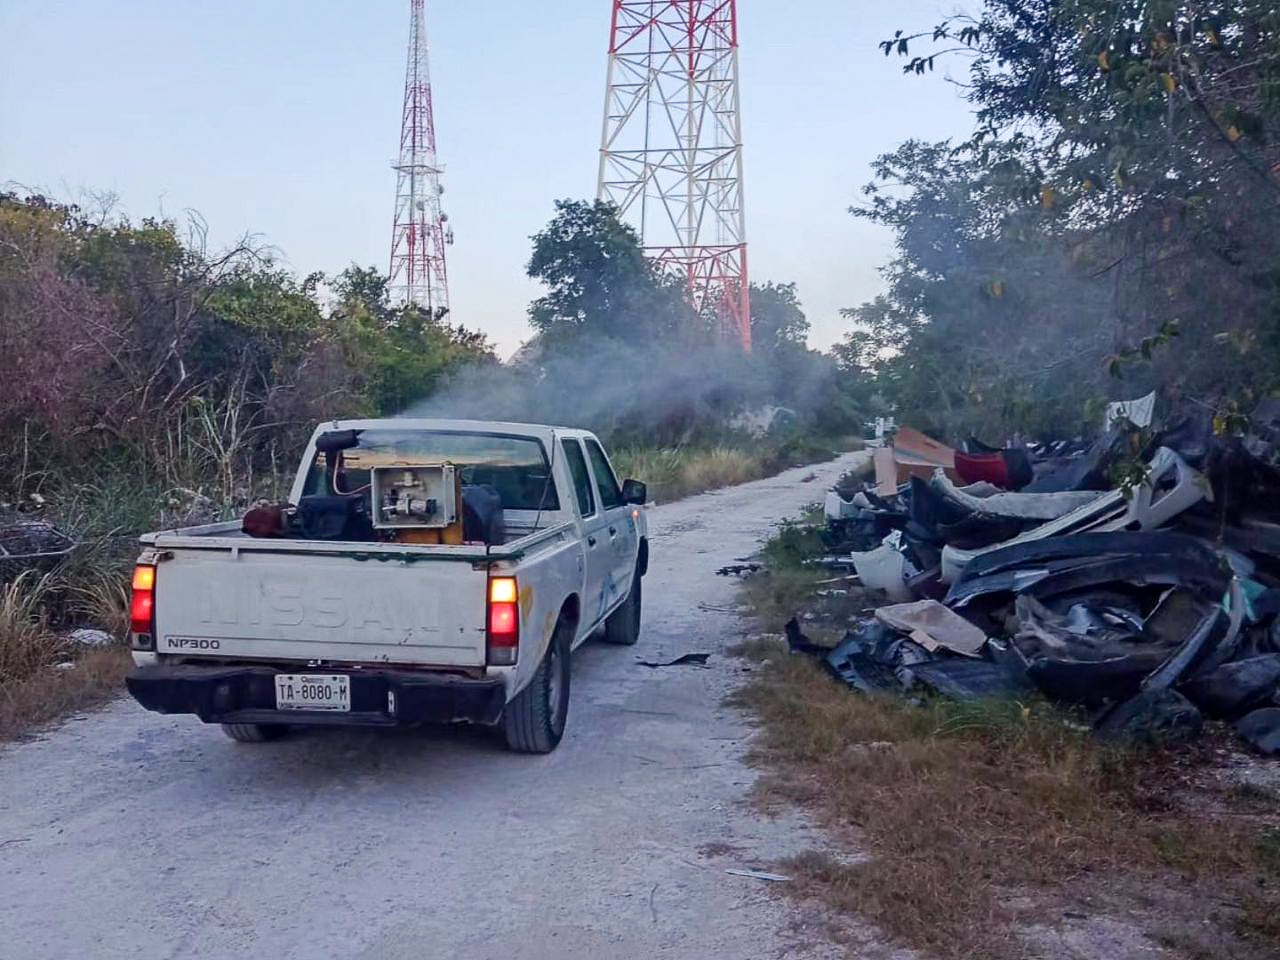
[(538, 431)]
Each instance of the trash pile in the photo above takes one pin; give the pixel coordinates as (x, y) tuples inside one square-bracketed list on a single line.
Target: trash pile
[(1020, 569), (31, 545)]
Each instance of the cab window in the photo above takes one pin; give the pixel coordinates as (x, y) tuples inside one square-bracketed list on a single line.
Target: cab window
[(516, 467), (606, 482), (581, 478)]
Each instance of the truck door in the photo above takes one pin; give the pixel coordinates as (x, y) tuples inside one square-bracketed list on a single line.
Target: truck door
[(595, 530), (619, 526)]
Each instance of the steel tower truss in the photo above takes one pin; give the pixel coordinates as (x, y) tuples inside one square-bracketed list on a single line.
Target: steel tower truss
[(671, 149), (421, 230)]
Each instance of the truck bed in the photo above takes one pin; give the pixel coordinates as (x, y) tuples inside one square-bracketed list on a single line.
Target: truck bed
[(223, 595), (228, 535)]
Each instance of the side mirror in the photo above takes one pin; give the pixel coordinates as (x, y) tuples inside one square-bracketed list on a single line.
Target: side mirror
[(633, 491)]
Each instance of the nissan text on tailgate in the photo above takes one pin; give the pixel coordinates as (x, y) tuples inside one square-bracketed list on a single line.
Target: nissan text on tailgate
[(422, 571)]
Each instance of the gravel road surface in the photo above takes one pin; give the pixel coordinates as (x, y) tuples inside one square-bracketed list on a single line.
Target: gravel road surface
[(127, 834)]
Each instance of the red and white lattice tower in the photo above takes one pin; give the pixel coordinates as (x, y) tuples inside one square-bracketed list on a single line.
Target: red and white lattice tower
[(671, 150), (421, 230)]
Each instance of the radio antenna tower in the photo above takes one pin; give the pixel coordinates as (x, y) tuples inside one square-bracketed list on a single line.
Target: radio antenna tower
[(671, 149), (421, 230)]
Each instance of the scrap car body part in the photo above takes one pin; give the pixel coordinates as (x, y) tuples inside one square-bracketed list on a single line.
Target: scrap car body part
[(1022, 506), (1160, 718), (1030, 553), (1171, 487), (695, 659), (884, 569), (1063, 564), (932, 625), (1233, 688), (32, 545), (961, 678), (1261, 729), (869, 657)]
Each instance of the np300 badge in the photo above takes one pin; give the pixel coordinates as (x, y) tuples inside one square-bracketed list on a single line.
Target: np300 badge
[(192, 643)]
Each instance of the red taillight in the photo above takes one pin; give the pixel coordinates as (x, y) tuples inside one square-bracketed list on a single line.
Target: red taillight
[(142, 607), (503, 621), (503, 625)]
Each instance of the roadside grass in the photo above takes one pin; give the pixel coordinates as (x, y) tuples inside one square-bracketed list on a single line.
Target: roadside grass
[(675, 472), (26, 642), (99, 595), (42, 674), (51, 693), (957, 812), (681, 471)]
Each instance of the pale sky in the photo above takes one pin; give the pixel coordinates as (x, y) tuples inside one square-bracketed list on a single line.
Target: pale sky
[(280, 118)]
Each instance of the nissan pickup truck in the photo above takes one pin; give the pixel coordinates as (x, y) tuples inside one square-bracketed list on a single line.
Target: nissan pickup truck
[(422, 571)]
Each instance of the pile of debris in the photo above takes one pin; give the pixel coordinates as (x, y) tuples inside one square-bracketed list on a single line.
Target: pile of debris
[(1021, 569), (31, 545)]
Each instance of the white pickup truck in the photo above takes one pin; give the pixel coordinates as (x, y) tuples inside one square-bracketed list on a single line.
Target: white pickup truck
[(423, 571)]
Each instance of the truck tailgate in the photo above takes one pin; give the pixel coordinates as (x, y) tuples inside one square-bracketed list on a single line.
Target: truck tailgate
[(245, 604)]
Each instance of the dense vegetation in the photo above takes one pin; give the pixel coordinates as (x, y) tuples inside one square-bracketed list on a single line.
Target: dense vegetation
[(1115, 214), (129, 348)]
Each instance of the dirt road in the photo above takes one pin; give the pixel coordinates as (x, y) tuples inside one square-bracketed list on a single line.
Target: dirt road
[(126, 834)]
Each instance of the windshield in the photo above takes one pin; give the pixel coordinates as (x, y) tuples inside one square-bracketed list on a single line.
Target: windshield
[(514, 466)]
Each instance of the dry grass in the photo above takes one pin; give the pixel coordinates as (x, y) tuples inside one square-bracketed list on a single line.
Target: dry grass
[(675, 472), (681, 471), (43, 675), (776, 597), (101, 597), (51, 693), (967, 804), (964, 809), (26, 644), (718, 467)]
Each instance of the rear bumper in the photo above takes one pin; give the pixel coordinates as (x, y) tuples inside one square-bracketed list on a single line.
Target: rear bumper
[(240, 694)]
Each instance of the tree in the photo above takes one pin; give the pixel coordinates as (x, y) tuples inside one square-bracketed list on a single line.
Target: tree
[(49, 325), (1121, 186), (778, 325), (601, 283), (132, 343), (401, 353)]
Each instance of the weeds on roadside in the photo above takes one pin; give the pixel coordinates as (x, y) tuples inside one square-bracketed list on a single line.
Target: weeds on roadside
[(776, 597), (26, 643), (51, 693), (101, 597), (42, 673), (791, 545), (681, 471), (675, 472)]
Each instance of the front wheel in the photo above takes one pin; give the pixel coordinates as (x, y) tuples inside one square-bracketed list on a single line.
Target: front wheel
[(533, 722), (623, 625)]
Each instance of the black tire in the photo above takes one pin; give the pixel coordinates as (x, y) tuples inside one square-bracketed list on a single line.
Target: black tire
[(623, 625), (533, 722), (254, 732)]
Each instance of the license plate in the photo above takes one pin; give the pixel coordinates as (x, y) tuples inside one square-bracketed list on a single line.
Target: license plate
[(313, 691)]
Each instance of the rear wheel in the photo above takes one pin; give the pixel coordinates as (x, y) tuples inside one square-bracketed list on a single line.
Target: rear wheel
[(533, 722), (254, 732), (623, 625)]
